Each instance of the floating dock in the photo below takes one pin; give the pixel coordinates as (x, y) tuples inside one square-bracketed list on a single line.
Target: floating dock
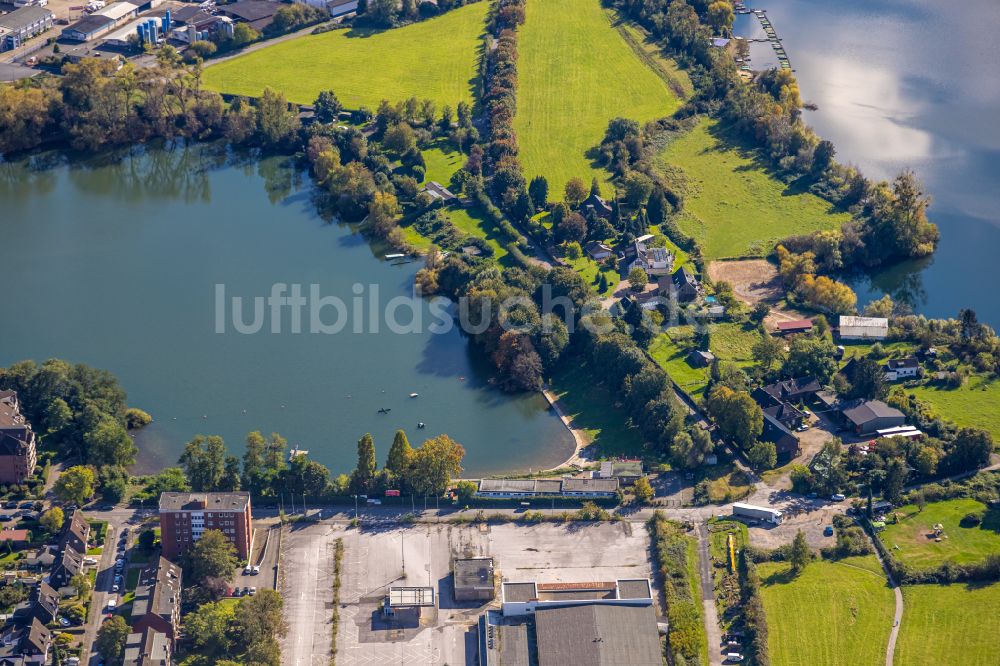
[(769, 31)]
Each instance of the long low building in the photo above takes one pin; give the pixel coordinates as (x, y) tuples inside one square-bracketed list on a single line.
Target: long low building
[(22, 24), (524, 598), (89, 28), (525, 488)]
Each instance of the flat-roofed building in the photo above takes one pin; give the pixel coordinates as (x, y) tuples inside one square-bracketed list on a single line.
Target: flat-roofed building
[(597, 635), (524, 598), (184, 517), (474, 579), (863, 328)]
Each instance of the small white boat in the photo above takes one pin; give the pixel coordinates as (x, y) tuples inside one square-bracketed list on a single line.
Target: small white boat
[(394, 256), (414, 395)]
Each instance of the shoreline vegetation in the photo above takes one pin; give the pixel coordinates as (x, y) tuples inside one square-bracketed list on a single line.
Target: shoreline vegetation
[(375, 175)]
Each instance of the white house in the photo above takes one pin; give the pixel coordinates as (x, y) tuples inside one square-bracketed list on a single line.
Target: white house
[(901, 368)]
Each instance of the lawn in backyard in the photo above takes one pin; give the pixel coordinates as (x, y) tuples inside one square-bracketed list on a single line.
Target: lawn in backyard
[(729, 342), (912, 538), (591, 407), (949, 625), (576, 73), (975, 404), (732, 204), (435, 59), (442, 160), (832, 613)]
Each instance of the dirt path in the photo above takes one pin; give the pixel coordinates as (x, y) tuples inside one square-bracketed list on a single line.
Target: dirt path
[(755, 281), (711, 615)]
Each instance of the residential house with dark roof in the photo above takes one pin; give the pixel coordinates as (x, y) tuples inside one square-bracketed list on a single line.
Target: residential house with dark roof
[(798, 390), (700, 359), (786, 444), (69, 563), (864, 417), (75, 533), (597, 204), (148, 648), (43, 605), (683, 284), (901, 368), (157, 604), (599, 251), (25, 644), (18, 444)]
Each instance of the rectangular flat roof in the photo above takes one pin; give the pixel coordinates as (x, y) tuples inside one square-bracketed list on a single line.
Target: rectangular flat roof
[(634, 588), (401, 597), (519, 591), (597, 635), (476, 572)]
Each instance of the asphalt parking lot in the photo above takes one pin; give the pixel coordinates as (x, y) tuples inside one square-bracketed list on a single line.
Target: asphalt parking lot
[(421, 555)]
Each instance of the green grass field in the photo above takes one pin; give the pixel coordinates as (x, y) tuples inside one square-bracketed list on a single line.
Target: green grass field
[(910, 542), (577, 73), (732, 205), (442, 161), (949, 625), (976, 404), (730, 342), (591, 408), (434, 59), (833, 613)]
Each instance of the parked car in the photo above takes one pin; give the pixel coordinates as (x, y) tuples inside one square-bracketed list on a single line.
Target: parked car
[(236, 592), (247, 570), (10, 505), (255, 571), (115, 588), (828, 530), (64, 622), (253, 591), (838, 497), (734, 657)]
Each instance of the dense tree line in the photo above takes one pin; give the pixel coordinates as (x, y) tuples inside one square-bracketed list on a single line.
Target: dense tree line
[(81, 412), (393, 13), (266, 470), (95, 104), (686, 636)]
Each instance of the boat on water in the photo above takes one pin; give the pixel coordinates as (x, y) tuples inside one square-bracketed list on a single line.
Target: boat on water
[(395, 256), (414, 395)]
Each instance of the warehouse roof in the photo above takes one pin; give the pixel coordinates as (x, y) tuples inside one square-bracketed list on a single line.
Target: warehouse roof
[(597, 635)]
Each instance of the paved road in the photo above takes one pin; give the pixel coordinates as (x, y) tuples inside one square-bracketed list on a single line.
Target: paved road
[(711, 614), (105, 578), (307, 556)]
